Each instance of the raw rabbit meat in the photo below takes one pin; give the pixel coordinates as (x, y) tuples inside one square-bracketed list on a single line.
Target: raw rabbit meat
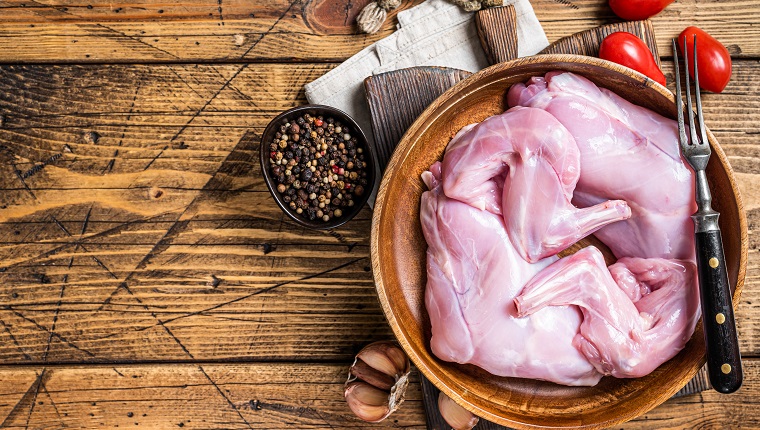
[(636, 315), (627, 152), (474, 273), (527, 161), (501, 205)]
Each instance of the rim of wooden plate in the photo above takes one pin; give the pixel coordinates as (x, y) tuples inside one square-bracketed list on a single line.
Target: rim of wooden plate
[(420, 355)]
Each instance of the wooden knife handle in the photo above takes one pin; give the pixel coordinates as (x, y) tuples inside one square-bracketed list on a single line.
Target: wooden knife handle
[(497, 30), (723, 357)]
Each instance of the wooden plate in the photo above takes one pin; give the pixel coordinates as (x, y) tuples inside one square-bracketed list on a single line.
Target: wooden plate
[(398, 257)]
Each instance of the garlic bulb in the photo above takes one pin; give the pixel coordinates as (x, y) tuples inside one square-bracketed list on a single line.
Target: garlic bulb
[(377, 381), (456, 416)]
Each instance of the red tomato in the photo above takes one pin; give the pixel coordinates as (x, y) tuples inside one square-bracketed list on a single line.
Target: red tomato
[(630, 51), (633, 10), (712, 58)]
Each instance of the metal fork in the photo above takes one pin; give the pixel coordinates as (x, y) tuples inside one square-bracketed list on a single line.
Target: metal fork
[(723, 358)]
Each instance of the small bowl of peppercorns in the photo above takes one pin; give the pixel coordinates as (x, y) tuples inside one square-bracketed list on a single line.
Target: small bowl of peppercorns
[(317, 165)]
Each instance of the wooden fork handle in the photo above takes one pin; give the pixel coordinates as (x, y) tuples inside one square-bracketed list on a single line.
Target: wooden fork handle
[(723, 358)]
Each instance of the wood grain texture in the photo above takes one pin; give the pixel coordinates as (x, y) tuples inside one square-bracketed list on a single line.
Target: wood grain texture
[(587, 42), (268, 396), (396, 99), (497, 30), (200, 215), (65, 31), (398, 260), (117, 244)]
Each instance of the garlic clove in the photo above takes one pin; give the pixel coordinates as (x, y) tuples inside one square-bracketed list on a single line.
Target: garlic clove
[(385, 357), (366, 373), (377, 381), (456, 416), (367, 402)]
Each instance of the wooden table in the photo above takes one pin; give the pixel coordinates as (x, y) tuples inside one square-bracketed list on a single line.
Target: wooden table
[(146, 276)]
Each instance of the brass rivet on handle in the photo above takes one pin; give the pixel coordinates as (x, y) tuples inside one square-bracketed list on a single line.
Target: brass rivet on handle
[(713, 262), (720, 318), (726, 368)]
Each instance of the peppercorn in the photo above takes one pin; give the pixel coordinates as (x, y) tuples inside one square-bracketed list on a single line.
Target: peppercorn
[(317, 166)]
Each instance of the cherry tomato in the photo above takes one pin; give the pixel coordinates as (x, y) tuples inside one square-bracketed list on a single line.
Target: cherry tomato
[(633, 10), (630, 51), (713, 59)]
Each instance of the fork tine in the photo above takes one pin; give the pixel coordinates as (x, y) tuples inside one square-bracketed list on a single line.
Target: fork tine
[(679, 100), (700, 117), (689, 110)]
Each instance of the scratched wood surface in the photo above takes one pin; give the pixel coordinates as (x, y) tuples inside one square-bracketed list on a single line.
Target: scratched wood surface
[(284, 30), (147, 277), (267, 396), (134, 214)]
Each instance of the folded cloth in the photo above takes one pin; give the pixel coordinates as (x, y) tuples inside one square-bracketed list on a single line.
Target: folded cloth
[(434, 33)]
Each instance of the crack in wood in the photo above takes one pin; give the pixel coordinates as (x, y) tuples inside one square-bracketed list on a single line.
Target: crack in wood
[(156, 157), (52, 403), (40, 327), (347, 9), (57, 311), (15, 341), (202, 108), (257, 292), (177, 225), (116, 229), (85, 222), (253, 45), (23, 182), (109, 166), (38, 168), (78, 244), (224, 396), (134, 39), (17, 407), (34, 398)]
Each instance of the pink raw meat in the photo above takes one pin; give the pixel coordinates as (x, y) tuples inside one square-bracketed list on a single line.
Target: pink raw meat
[(474, 273), (501, 207), (539, 162), (636, 315), (627, 152)]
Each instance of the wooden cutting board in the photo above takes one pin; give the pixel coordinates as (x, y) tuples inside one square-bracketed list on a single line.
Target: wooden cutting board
[(398, 97)]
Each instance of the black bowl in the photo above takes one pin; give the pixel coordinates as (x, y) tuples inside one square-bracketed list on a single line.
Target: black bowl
[(327, 112)]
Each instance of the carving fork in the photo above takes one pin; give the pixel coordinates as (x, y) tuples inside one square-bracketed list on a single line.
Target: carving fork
[(723, 359)]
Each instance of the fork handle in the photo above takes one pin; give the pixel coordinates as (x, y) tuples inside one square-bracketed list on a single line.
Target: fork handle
[(723, 359)]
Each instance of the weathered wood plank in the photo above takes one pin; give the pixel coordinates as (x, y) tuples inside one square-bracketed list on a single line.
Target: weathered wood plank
[(212, 269), (286, 30), (261, 396), (269, 396)]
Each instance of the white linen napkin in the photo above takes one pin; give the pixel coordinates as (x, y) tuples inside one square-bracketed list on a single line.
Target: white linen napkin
[(434, 33)]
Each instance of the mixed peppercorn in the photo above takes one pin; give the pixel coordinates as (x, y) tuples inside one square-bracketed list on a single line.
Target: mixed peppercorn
[(318, 167)]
